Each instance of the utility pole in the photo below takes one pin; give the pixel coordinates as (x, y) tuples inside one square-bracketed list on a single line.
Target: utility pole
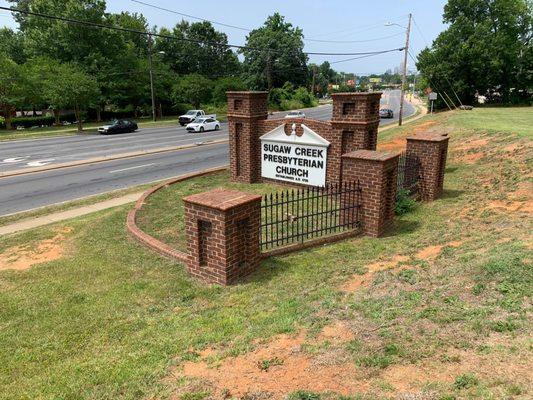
[(269, 71), (404, 75), (313, 81), (151, 76)]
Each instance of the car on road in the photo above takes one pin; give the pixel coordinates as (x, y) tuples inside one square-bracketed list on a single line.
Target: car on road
[(118, 126), (386, 113), (207, 123), (295, 114), (190, 116)]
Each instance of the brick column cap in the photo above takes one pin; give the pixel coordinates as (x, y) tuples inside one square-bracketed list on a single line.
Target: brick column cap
[(356, 94), (429, 137), (222, 199), (372, 155)]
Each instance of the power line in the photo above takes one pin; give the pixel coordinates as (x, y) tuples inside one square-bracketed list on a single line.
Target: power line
[(249, 30), (354, 41), (435, 86), (435, 58), (191, 16), (128, 30)]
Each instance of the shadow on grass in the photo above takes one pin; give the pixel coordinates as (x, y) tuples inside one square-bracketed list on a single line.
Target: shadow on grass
[(451, 194), (401, 227)]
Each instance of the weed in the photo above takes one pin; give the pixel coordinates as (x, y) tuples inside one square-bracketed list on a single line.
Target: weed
[(404, 202), (303, 395), (466, 381), (265, 365)]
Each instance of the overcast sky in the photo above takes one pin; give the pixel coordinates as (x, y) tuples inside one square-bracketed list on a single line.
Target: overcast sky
[(344, 20)]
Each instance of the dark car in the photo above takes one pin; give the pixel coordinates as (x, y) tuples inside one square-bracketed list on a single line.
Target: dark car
[(386, 113), (118, 126)]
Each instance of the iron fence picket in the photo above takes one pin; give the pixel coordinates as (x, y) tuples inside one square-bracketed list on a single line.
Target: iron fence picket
[(294, 216)]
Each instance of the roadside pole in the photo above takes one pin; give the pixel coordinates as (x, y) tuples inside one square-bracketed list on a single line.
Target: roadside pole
[(404, 75), (151, 76)]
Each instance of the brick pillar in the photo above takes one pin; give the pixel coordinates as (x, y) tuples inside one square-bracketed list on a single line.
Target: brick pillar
[(431, 150), (222, 229), (356, 118), (376, 172), (244, 110)]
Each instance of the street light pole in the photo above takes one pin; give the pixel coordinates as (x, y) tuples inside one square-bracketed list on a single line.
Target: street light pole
[(151, 76), (404, 75)]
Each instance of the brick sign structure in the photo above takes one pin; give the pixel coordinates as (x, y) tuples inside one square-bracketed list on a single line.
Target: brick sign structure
[(354, 126), (223, 227)]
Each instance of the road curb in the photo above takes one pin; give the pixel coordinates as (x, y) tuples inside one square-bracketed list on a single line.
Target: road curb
[(149, 241), (108, 158)]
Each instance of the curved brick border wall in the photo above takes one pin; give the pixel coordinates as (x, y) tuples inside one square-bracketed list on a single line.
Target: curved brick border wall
[(148, 240)]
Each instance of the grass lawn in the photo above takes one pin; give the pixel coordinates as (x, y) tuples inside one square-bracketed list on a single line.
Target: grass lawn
[(440, 308)]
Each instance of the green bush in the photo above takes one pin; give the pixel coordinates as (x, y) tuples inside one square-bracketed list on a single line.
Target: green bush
[(404, 203), (223, 85), (290, 105)]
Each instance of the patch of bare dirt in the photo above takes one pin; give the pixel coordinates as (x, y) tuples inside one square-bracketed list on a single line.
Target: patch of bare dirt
[(334, 371), (338, 332), (472, 144), (511, 206), (364, 280), (398, 143), (23, 257), (432, 252), (290, 369)]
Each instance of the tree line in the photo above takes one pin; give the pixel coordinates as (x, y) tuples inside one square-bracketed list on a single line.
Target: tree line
[(62, 66)]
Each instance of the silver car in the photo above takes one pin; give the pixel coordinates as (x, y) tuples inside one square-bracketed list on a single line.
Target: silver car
[(295, 114)]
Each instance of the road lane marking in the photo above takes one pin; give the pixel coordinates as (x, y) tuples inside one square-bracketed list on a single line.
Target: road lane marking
[(127, 169), (14, 159), (40, 163)]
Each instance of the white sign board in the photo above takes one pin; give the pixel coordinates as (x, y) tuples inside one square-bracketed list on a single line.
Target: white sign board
[(433, 96), (292, 158)]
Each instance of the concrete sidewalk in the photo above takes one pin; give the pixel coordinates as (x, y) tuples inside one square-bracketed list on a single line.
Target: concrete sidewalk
[(31, 223)]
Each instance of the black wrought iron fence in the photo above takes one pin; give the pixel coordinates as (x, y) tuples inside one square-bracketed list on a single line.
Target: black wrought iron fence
[(408, 175), (296, 215)]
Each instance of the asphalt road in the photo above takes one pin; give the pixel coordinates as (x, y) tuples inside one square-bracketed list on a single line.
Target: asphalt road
[(15, 155), (28, 191)]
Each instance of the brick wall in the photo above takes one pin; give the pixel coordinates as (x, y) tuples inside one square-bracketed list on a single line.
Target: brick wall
[(353, 127), (245, 111), (431, 150), (377, 173), (222, 229)]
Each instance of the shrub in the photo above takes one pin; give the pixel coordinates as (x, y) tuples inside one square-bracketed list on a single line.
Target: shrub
[(404, 203), (223, 85), (290, 104), (303, 96)]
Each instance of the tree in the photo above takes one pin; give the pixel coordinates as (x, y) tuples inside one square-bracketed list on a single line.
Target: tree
[(209, 57), (12, 88), (11, 44), (275, 55), (224, 85), (487, 47), (67, 86), (194, 89)]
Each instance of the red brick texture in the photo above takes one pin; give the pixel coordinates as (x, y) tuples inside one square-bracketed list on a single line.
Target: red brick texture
[(354, 126), (377, 174), (222, 229), (431, 150)]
